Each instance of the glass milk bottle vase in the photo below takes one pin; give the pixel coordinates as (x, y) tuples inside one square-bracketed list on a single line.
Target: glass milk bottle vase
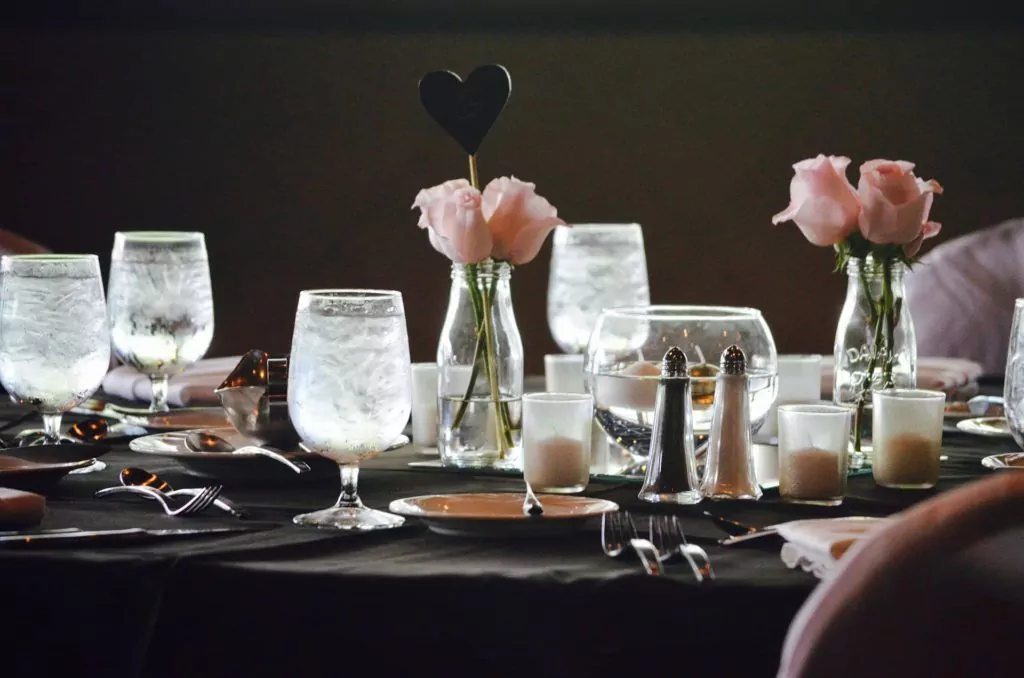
[(875, 346), (480, 371)]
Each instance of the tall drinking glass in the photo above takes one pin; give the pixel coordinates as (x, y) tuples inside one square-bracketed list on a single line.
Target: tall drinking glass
[(1013, 386), (54, 340), (349, 390), (160, 304), (593, 267)]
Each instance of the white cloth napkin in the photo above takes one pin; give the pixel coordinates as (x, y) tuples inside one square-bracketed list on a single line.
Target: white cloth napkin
[(818, 544), (191, 388)]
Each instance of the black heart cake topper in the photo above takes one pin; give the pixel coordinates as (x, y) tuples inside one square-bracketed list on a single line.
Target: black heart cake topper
[(466, 109)]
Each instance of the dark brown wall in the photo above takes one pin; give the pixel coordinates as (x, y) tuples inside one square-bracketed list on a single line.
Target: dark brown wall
[(299, 154)]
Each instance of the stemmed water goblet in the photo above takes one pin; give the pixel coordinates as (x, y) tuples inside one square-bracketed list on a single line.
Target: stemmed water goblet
[(54, 337), (593, 267), (160, 302), (349, 390), (1013, 385)]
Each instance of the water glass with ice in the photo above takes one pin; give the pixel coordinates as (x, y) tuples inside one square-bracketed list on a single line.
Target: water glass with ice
[(54, 338), (593, 267), (813, 444), (349, 390), (556, 441), (160, 304)]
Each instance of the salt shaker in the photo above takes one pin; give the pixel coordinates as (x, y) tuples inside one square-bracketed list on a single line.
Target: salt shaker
[(729, 472), (672, 465)]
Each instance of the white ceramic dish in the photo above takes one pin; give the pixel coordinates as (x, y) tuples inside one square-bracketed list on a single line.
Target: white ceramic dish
[(500, 514), (171, 445), (991, 427)]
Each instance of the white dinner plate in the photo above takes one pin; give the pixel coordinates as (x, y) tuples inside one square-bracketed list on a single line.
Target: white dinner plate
[(171, 444), (992, 427), (500, 514)]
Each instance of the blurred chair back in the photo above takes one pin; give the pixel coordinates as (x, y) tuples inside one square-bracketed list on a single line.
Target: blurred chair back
[(938, 593)]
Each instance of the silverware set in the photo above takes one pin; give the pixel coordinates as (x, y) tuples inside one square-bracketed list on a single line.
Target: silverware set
[(619, 536), (175, 502)]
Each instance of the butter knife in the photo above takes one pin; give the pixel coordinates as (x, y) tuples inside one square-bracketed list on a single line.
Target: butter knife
[(135, 534)]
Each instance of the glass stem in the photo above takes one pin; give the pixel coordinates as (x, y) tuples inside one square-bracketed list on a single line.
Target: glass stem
[(349, 497), (51, 428), (159, 400)]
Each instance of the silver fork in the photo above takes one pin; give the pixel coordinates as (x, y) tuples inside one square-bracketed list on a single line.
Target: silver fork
[(618, 531), (200, 502), (668, 538)]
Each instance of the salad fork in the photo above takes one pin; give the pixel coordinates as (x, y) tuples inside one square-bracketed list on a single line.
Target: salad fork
[(668, 538), (199, 502), (618, 532)]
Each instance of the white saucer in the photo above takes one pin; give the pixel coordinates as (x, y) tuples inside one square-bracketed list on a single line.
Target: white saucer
[(500, 514), (171, 444), (992, 427)]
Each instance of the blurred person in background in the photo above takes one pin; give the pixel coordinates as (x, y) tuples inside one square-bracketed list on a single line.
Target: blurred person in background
[(962, 292), (12, 243)]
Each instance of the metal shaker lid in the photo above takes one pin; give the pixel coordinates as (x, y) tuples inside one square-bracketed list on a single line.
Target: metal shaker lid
[(674, 363), (734, 361)]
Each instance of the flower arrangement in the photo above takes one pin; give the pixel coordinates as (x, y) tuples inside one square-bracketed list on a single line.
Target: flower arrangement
[(505, 223), (880, 224)]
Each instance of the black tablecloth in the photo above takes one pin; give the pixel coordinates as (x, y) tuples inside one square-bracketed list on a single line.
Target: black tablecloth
[(294, 601)]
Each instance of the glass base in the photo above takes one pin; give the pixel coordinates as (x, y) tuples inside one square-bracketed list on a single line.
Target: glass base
[(569, 489), (33, 437), (95, 467), (350, 518), (687, 498), (906, 486), (483, 460), (834, 501)]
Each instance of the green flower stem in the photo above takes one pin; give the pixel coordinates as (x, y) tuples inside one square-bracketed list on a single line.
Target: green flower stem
[(881, 312), (889, 310), (492, 373), (475, 298)]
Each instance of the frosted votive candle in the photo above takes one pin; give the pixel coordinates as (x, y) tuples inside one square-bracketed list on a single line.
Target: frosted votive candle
[(556, 441), (799, 379), (906, 437), (813, 443), (424, 406), (563, 373)]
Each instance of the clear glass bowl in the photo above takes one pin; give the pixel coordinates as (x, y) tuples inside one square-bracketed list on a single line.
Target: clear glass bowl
[(624, 357)]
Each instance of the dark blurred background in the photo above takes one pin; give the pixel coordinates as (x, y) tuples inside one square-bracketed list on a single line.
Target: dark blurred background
[(292, 135)]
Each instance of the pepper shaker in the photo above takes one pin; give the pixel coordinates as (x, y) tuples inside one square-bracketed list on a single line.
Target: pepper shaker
[(729, 472), (672, 465)]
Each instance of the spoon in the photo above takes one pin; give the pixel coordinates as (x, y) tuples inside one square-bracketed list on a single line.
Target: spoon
[(532, 505), (204, 441), (131, 476)]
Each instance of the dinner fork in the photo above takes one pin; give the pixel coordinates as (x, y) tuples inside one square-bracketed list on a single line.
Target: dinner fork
[(668, 538), (619, 531), (200, 502)]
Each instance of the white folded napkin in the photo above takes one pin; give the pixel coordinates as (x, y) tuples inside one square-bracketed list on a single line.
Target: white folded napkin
[(192, 387), (818, 544)]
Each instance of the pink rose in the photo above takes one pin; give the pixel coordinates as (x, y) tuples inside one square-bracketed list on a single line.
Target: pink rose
[(519, 219), (822, 202), (453, 217), (896, 204)]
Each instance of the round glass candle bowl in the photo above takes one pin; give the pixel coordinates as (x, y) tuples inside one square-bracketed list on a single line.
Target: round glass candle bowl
[(624, 357)]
